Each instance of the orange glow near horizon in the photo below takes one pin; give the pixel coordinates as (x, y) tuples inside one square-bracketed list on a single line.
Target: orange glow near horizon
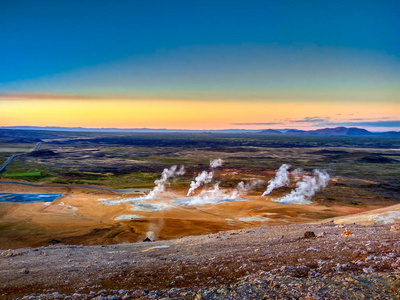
[(180, 114)]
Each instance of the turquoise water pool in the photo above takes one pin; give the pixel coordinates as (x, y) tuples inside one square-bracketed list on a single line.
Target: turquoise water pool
[(28, 198)]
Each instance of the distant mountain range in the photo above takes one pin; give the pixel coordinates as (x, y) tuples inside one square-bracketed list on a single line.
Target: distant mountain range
[(337, 131)]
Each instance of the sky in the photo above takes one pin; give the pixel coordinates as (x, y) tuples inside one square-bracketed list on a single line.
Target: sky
[(200, 64)]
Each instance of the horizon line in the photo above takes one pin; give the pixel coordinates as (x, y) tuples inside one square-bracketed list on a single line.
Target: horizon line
[(79, 128)]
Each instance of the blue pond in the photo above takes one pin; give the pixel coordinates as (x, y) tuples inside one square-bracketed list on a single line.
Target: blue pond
[(28, 198)]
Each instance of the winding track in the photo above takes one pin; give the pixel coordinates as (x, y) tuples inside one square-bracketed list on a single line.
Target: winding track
[(8, 161), (37, 146), (16, 155)]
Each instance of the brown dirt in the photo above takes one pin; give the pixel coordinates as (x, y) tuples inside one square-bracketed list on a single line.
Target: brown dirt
[(268, 262)]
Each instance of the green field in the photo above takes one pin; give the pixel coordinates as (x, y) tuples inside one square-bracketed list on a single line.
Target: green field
[(27, 174)]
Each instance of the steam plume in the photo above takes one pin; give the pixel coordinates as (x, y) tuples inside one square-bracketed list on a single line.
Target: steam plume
[(243, 188), (204, 177), (154, 228), (281, 179), (151, 236), (297, 174), (165, 175), (306, 189), (214, 193), (248, 186), (211, 196), (216, 163)]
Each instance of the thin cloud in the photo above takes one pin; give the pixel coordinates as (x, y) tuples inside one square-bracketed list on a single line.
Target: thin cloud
[(41, 96), (310, 120), (392, 123)]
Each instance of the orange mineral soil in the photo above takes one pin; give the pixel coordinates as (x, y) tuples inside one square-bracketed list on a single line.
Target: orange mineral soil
[(80, 216)]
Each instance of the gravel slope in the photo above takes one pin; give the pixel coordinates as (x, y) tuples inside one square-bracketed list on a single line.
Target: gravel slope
[(265, 262)]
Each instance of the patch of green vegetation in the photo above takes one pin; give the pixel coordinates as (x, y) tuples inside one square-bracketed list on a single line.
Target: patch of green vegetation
[(21, 170), (97, 173), (73, 181), (140, 158), (26, 174)]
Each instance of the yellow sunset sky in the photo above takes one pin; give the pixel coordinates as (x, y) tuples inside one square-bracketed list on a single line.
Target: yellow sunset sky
[(194, 114)]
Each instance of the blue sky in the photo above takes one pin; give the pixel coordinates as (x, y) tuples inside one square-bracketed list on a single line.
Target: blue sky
[(45, 37)]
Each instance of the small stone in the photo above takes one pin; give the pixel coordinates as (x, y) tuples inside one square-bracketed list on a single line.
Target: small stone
[(368, 270), (311, 249), (309, 234), (102, 292), (24, 271), (346, 232), (395, 228)]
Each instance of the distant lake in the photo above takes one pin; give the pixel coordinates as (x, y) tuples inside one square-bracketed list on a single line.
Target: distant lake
[(28, 198)]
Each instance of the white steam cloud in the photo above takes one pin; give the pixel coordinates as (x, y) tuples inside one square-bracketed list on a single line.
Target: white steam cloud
[(243, 188), (165, 175), (297, 174), (306, 189), (216, 163), (217, 193), (281, 179), (217, 196), (204, 177), (248, 186), (212, 196)]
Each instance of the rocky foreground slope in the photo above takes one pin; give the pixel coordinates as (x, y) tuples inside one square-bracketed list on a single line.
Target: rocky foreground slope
[(269, 262)]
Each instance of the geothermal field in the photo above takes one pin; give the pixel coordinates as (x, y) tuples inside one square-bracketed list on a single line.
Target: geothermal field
[(94, 188)]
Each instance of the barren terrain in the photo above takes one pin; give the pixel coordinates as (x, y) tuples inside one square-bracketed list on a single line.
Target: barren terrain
[(267, 262)]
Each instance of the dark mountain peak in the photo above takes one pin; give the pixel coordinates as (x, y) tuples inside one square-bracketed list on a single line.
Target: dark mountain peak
[(342, 131), (295, 131), (270, 131), (357, 131), (337, 131)]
